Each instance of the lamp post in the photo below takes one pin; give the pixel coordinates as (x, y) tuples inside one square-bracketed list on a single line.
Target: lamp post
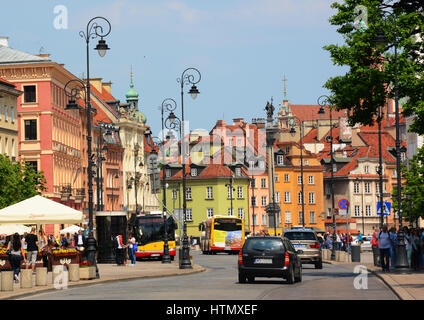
[(189, 76), (380, 168), (93, 31), (381, 41), (137, 176), (324, 101)]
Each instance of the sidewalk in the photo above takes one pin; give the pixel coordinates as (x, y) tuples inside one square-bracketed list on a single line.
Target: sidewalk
[(108, 273), (408, 286)]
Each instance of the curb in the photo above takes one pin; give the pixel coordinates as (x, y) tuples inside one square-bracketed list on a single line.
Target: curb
[(100, 281)]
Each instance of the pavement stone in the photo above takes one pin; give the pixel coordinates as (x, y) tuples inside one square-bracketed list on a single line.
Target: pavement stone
[(109, 272), (408, 286)]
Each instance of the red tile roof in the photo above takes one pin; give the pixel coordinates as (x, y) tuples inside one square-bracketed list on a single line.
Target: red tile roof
[(310, 112)]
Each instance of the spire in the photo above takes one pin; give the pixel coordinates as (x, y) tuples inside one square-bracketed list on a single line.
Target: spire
[(131, 76), (132, 94), (285, 87)]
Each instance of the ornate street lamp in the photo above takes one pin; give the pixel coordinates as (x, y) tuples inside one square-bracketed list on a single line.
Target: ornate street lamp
[(93, 31), (389, 20), (189, 76), (324, 101)]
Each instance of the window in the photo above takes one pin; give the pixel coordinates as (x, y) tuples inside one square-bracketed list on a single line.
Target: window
[(230, 211), (264, 219), (238, 172), (253, 183), (29, 94), (194, 172), (30, 129), (311, 197), (254, 221), (329, 213), (189, 214), (13, 148), (311, 179), (6, 146), (168, 173), (241, 213), (356, 188), (263, 201), (306, 162), (287, 197), (253, 201), (288, 218), (312, 217), (368, 210), (367, 187), (286, 177), (240, 192), (229, 192), (299, 197), (300, 217), (277, 178), (287, 150), (277, 197), (12, 114), (209, 193), (210, 212), (357, 211), (174, 194), (263, 183), (33, 165), (6, 113), (280, 159), (367, 169), (188, 193), (299, 179)]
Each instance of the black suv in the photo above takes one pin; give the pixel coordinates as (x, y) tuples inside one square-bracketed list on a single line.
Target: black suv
[(269, 257)]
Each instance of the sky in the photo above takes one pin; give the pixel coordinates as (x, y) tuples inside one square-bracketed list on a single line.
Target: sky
[(243, 49)]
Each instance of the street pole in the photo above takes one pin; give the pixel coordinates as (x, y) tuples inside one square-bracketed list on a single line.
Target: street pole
[(301, 173), (380, 168)]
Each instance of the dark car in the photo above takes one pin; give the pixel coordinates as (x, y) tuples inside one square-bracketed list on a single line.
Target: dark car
[(269, 257)]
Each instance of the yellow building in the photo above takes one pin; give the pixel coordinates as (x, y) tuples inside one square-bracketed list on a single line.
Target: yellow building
[(288, 187), (8, 119)]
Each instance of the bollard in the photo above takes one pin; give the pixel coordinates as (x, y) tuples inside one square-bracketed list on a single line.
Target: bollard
[(41, 276), (338, 255), (60, 277), (7, 281), (26, 278), (74, 272)]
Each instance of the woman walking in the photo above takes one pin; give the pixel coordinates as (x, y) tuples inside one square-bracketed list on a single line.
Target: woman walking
[(131, 251), (16, 255)]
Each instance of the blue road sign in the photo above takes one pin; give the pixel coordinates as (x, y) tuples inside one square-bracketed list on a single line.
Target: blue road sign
[(387, 208), (343, 204)]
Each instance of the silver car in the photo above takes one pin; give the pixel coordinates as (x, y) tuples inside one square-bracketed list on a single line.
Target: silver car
[(307, 244)]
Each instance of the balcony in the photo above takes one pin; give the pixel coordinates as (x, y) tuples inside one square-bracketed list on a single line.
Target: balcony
[(65, 192), (79, 194)]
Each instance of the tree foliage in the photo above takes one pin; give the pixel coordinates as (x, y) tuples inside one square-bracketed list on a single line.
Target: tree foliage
[(371, 76), (18, 182)]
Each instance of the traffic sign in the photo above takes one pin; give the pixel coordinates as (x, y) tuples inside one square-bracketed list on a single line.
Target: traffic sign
[(386, 210), (343, 204), (342, 212)]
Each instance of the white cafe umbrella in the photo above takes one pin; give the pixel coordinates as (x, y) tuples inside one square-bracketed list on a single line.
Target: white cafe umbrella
[(40, 210), (11, 228), (71, 230)]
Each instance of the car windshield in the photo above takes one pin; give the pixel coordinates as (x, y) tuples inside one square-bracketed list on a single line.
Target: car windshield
[(264, 244), (300, 235)]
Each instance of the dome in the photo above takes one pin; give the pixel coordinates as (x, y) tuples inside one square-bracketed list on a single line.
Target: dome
[(132, 94)]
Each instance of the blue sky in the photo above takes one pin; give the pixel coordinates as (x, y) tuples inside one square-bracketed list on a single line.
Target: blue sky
[(243, 48)]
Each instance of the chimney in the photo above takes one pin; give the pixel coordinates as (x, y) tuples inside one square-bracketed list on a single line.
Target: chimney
[(96, 83), (4, 41), (107, 86), (46, 55), (220, 123), (238, 121)]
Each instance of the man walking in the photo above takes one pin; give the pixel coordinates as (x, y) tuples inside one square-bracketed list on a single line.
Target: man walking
[(385, 244)]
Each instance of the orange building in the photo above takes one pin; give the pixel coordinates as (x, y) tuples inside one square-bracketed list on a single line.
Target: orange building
[(288, 186)]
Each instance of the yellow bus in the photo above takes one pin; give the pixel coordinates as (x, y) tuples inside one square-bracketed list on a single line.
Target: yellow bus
[(222, 234), (149, 231)]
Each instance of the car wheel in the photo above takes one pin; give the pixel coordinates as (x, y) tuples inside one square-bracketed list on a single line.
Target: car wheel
[(241, 277), (251, 279), (318, 265), (290, 277), (299, 277)]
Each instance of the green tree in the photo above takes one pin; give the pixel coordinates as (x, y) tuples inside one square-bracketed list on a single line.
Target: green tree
[(18, 182), (371, 75), (414, 175)]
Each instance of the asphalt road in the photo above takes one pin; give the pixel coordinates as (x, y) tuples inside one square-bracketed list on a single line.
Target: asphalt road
[(333, 282)]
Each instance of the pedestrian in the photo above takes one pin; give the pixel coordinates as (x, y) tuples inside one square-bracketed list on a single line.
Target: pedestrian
[(79, 240), (120, 250), (416, 249), (44, 243), (338, 241), (385, 243), (393, 236), (408, 244), (329, 243), (17, 254), (32, 249), (131, 250), (24, 245), (69, 240)]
